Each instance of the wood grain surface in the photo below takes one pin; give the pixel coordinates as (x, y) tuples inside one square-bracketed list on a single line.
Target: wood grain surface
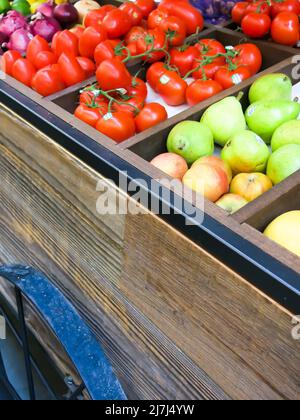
[(175, 322)]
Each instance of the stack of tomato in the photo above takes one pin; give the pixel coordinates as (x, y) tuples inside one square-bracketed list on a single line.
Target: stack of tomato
[(278, 18)]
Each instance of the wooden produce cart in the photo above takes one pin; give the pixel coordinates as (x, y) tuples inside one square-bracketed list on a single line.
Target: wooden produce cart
[(197, 311)]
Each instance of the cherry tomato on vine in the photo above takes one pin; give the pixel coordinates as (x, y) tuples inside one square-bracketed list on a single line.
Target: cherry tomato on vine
[(89, 40), (292, 6), (35, 46), (228, 78), (190, 15), (183, 58), (260, 6), (135, 34), (92, 97), (131, 106), (175, 29), (172, 88), (256, 25), (200, 90), (210, 47), (47, 81), (70, 69), (157, 17), (151, 115), (87, 65), (133, 11), (137, 88), (285, 29), (8, 59), (88, 114), (154, 38), (117, 23), (65, 41), (239, 11), (44, 59), (154, 72), (113, 74), (146, 6), (23, 71), (119, 126), (208, 70), (249, 55)]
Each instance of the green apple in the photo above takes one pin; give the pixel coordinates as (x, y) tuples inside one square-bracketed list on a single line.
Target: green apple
[(224, 118), (246, 152), (283, 163), (271, 87), (287, 133), (265, 117), (191, 140)]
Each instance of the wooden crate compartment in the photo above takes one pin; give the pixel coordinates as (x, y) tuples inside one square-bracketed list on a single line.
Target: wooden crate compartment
[(68, 99)]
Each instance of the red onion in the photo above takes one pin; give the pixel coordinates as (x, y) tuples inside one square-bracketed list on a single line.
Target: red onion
[(12, 22), (45, 27), (46, 9), (19, 40), (66, 13)]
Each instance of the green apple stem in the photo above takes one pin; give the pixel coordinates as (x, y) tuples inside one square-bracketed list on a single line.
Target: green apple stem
[(240, 96)]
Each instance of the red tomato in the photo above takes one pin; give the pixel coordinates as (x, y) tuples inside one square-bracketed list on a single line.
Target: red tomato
[(70, 69), (260, 6), (239, 11), (146, 6), (183, 58), (35, 46), (190, 15), (44, 59), (228, 78), (157, 17), (256, 25), (209, 70), (172, 88), (87, 65), (93, 98), (138, 88), (117, 23), (95, 17), (135, 34), (65, 41), (77, 30), (133, 11), (249, 55), (23, 71), (285, 29), (113, 74), (119, 126), (8, 60), (131, 106), (154, 72), (106, 50), (210, 47), (88, 114), (151, 115), (89, 40), (154, 38), (47, 81), (200, 90), (175, 29), (292, 6)]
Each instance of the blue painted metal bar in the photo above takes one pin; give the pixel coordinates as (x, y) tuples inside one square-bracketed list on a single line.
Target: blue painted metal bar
[(71, 331)]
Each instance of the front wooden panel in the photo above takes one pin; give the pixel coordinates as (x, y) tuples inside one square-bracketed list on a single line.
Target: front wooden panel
[(174, 321)]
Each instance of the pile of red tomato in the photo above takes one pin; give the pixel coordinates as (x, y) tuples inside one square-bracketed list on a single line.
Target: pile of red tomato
[(278, 18)]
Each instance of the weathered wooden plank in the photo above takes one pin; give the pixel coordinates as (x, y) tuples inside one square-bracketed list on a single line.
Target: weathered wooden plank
[(241, 338)]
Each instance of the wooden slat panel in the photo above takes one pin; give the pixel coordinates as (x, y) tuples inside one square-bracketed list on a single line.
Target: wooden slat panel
[(241, 338)]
